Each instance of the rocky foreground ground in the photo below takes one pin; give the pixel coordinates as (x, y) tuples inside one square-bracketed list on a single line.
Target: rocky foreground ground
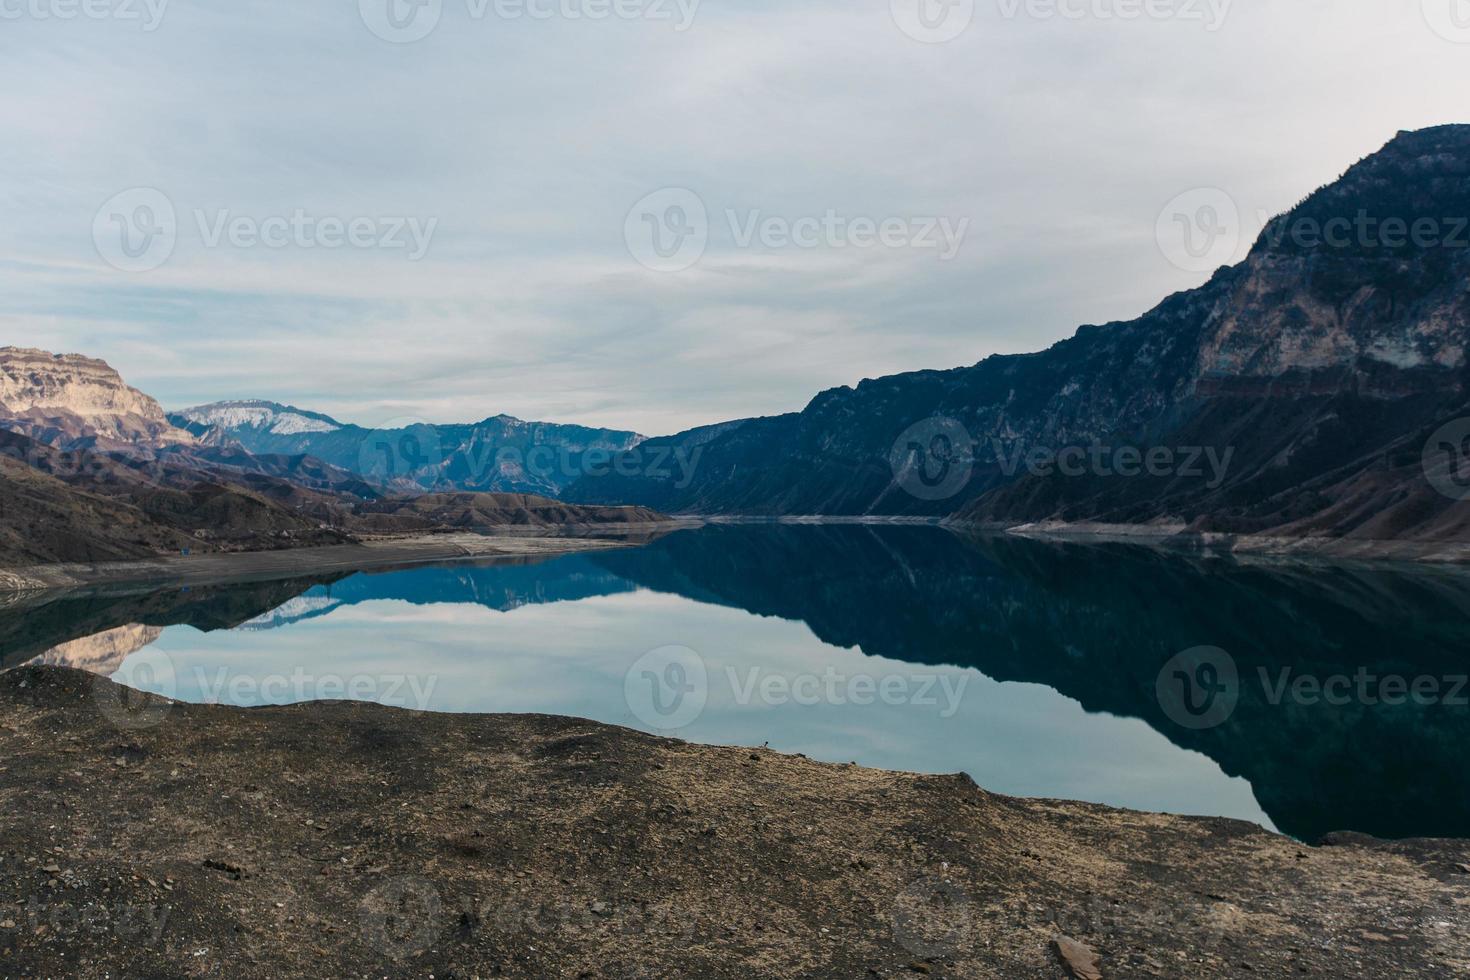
[(145, 838)]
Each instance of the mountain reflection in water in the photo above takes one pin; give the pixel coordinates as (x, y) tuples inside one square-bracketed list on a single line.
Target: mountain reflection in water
[(1055, 651)]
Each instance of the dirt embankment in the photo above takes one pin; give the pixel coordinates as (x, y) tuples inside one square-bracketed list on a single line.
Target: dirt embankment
[(144, 838)]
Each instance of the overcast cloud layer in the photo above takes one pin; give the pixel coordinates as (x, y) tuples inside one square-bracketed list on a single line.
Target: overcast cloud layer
[(518, 145)]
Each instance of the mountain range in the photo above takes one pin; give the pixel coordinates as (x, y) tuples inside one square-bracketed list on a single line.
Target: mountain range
[(1316, 389), (92, 470), (1313, 374), (499, 455)]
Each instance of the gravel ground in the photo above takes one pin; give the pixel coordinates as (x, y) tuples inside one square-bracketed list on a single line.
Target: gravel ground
[(143, 838)]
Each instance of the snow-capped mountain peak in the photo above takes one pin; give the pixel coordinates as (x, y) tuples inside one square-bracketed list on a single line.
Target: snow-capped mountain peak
[(277, 419)]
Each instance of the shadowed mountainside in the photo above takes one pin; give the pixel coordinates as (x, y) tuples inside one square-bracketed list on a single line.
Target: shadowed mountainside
[(1318, 368)]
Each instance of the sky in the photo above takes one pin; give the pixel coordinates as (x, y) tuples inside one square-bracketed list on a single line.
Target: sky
[(655, 214)]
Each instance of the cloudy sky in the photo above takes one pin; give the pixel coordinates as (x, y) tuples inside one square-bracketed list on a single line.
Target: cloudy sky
[(653, 213)]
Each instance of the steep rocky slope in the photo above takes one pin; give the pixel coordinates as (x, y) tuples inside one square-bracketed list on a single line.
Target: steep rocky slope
[(1311, 376), (78, 402)]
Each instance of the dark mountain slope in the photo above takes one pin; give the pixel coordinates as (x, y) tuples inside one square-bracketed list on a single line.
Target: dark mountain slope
[(1320, 366)]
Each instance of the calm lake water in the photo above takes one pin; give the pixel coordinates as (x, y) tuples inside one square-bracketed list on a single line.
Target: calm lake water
[(1039, 669)]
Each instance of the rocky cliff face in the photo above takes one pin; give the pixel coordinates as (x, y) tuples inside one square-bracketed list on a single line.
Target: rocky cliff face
[(1295, 392), (102, 653), (71, 401)]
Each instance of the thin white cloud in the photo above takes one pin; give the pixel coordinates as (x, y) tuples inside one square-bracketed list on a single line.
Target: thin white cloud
[(1059, 140)]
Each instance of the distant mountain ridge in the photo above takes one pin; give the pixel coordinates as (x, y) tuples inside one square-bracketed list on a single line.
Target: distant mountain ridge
[(501, 454), (270, 417), (1321, 366)]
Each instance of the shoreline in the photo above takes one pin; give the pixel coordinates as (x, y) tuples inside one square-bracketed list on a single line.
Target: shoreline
[(371, 553), (350, 839), (380, 552), (1169, 537), (1178, 538)]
